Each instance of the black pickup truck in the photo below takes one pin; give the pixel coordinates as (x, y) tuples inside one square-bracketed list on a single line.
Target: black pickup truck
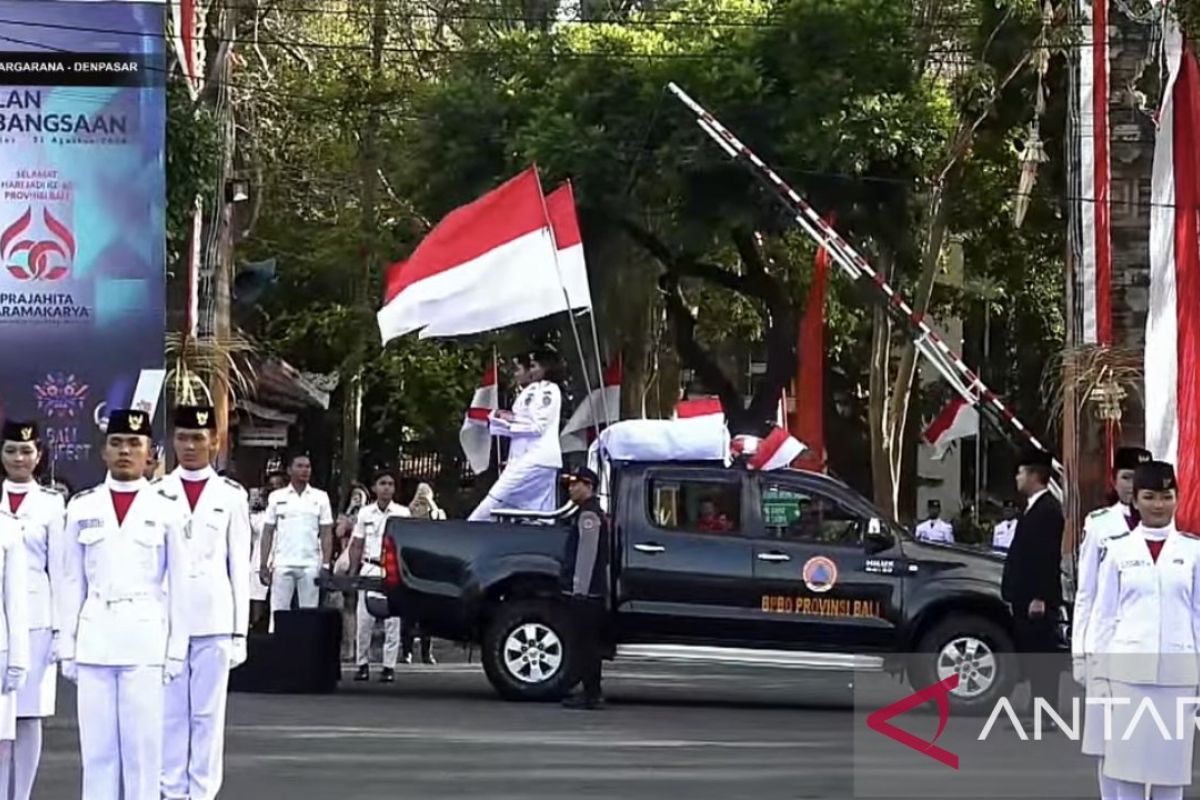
[(713, 564)]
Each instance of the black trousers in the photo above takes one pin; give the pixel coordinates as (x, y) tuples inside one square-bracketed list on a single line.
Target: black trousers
[(1042, 664), (587, 620), (409, 630)]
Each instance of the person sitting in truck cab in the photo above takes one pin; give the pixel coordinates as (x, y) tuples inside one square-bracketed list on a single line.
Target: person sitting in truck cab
[(711, 520)]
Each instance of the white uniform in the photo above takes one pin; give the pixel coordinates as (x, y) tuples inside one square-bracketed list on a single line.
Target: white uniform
[(369, 526), (297, 518), (218, 588), (529, 481), (1099, 526), (1002, 534), (14, 622), (935, 530), (125, 627), (41, 514), (258, 589), (1146, 616)]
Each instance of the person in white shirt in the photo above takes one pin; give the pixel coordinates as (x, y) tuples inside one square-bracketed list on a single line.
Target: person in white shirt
[(366, 550), (934, 528), (41, 514), (530, 480), (1002, 534), (1146, 617), (298, 536), (260, 590), (218, 539)]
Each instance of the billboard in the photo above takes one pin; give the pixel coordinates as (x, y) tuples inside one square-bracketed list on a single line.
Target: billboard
[(82, 216)]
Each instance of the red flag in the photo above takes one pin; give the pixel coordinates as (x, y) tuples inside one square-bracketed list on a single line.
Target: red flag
[(808, 423)]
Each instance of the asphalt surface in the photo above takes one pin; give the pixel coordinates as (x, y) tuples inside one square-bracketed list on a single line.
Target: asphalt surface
[(695, 734)]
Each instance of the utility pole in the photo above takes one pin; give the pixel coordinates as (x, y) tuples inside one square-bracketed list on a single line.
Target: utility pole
[(370, 164)]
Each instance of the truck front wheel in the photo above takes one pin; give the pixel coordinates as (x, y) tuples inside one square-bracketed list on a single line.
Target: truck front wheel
[(527, 650), (976, 649)]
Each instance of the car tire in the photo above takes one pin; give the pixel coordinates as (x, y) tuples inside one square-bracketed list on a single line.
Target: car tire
[(965, 641), (527, 653)]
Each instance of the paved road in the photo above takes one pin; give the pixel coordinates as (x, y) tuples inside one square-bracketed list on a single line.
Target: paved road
[(439, 733)]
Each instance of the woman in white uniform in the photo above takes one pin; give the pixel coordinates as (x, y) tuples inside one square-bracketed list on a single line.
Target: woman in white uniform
[(1147, 613), (41, 514), (14, 635)]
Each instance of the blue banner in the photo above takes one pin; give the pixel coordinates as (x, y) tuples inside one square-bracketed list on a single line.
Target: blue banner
[(82, 216)]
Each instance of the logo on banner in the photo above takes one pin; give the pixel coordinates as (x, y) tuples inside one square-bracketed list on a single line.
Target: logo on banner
[(60, 396), (37, 257)]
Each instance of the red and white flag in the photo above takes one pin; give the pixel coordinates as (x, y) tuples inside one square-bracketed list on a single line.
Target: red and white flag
[(604, 403), (475, 436), (560, 205), (777, 451), (1095, 263), (958, 420), (1172, 358), (486, 265), (699, 407), (188, 22)]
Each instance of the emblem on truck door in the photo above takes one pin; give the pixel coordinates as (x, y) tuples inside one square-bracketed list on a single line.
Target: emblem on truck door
[(820, 574)]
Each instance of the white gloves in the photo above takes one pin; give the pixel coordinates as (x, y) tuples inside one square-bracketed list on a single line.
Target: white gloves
[(172, 669), (14, 679), (55, 647), (1079, 669), (237, 652), (69, 670)]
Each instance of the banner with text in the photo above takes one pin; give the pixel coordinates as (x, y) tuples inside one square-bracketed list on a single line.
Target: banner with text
[(82, 217)]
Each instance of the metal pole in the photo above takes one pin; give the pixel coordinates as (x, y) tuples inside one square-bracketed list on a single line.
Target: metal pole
[(603, 394)]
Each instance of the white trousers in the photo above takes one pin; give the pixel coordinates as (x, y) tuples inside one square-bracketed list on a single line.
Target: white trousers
[(526, 487), (120, 731), (194, 722), (364, 625), (298, 581)]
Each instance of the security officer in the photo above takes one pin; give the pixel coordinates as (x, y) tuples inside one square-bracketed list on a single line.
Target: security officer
[(366, 541), (41, 512), (218, 588), (1002, 533), (535, 455), (125, 614), (935, 529), (585, 566), (1100, 526)]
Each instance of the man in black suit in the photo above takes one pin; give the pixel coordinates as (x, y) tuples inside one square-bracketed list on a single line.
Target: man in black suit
[(1032, 584)]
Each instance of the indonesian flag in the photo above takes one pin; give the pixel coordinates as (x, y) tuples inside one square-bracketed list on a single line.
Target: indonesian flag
[(560, 205), (958, 420), (777, 451), (475, 437), (488, 264), (1173, 324), (1095, 263), (604, 403), (700, 407), (188, 21)]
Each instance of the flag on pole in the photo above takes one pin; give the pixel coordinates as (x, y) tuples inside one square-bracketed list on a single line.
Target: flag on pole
[(604, 402), (777, 451), (958, 420), (1095, 263), (486, 265), (560, 206), (188, 20), (475, 435), (808, 423), (1172, 358)]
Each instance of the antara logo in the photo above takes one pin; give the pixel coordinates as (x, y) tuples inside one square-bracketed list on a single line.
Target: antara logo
[(28, 258), (940, 694)]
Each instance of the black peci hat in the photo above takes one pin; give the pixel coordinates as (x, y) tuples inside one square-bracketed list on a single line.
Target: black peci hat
[(196, 418), (18, 431), (1154, 476), (1035, 457), (1130, 458), (124, 422), (582, 474)]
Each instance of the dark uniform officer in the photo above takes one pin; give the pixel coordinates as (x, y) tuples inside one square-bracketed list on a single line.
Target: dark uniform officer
[(585, 581)]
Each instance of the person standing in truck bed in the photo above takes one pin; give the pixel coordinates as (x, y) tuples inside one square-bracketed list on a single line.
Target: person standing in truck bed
[(585, 567)]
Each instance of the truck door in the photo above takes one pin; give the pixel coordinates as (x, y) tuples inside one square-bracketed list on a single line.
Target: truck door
[(821, 584), (686, 572)]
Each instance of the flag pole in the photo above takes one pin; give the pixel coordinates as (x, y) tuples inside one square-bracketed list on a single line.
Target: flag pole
[(495, 439), (587, 382), (599, 366)]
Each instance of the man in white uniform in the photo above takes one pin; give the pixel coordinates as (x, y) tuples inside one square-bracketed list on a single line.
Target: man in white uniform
[(1002, 534), (935, 529), (218, 581), (125, 615), (298, 530), (366, 542), (1100, 526), (529, 481)]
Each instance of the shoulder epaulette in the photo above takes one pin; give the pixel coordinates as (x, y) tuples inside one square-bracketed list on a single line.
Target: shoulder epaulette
[(233, 483), (1191, 535), (156, 481), (1099, 512), (172, 497), (84, 493), (52, 490), (1116, 536)]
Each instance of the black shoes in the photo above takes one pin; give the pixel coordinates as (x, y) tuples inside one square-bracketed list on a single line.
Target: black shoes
[(363, 674), (388, 675), (583, 702)]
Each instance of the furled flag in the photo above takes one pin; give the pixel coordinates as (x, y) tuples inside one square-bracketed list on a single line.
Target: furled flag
[(958, 420), (699, 407), (604, 402), (486, 265), (808, 423), (560, 205), (1095, 263), (475, 437), (777, 451), (1173, 324)]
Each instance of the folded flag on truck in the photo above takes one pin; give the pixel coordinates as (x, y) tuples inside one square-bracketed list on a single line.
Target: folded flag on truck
[(700, 407), (475, 436), (776, 451)]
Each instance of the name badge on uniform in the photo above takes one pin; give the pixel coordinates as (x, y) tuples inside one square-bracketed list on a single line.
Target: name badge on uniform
[(84, 524), (1178, 561)]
